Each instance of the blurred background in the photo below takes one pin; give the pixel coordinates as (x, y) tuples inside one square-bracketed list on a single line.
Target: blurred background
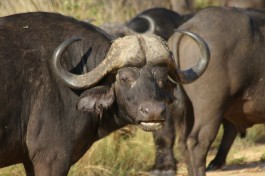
[(100, 11), (132, 154)]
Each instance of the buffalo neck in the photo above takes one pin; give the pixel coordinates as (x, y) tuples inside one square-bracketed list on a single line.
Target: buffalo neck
[(110, 121)]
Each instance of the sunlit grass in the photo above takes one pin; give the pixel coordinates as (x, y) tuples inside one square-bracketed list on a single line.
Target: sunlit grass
[(199, 4), (97, 11), (14, 170), (107, 157), (9, 7), (236, 161)]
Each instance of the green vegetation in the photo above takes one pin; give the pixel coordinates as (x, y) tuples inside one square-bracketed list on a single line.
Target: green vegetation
[(203, 3), (262, 158)]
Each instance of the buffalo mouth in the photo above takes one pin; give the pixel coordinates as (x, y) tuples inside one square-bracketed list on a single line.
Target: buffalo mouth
[(151, 126)]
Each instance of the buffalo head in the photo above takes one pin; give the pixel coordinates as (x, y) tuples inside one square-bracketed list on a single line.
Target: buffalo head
[(159, 21), (145, 74)]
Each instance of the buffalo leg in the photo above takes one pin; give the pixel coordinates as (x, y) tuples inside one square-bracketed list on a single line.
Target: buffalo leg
[(54, 160), (55, 168), (29, 168), (181, 119), (185, 153), (201, 137), (165, 162), (184, 129), (230, 133)]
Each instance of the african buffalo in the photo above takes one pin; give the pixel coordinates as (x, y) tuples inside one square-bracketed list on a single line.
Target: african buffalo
[(233, 84), (163, 22), (159, 21), (59, 96)]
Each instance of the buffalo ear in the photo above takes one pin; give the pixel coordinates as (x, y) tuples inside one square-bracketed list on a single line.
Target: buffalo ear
[(96, 99)]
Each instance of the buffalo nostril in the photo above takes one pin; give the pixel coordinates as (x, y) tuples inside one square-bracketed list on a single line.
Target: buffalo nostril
[(152, 110), (144, 110)]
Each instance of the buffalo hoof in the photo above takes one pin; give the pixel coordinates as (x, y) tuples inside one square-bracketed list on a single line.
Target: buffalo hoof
[(213, 166), (162, 173)]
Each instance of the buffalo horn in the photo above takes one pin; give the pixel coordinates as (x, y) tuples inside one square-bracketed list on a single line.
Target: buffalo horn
[(151, 28), (126, 51), (193, 73)]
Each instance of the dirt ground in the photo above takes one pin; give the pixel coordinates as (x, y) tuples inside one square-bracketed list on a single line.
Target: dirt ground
[(249, 163), (249, 169)]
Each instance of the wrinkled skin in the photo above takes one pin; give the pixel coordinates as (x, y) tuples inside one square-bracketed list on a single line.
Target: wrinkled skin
[(232, 86), (47, 126)]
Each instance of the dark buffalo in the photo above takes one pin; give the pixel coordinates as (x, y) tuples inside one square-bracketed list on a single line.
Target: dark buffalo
[(159, 21), (55, 103), (233, 85)]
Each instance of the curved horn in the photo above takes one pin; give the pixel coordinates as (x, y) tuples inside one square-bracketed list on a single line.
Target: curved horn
[(193, 73), (68, 78), (151, 22), (123, 51)]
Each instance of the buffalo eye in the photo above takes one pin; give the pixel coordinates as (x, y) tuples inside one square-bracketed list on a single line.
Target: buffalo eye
[(163, 78), (127, 76), (164, 83), (124, 78), (160, 74)]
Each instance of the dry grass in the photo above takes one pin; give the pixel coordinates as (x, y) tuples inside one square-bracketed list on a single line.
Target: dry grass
[(107, 157), (18, 6), (99, 11)]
